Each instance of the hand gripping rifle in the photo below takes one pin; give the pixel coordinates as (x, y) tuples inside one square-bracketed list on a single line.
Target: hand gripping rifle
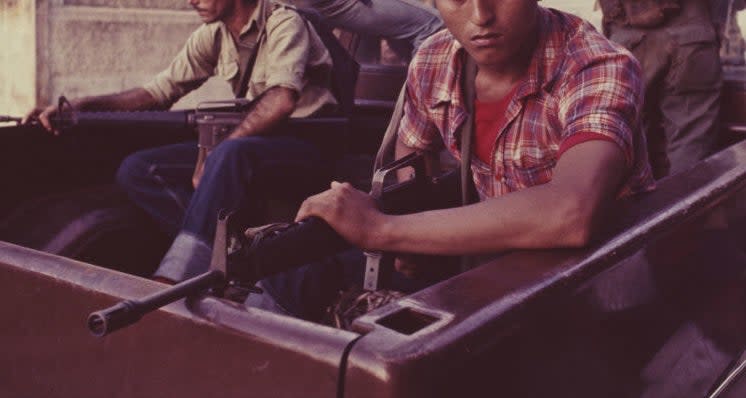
[(306, 241)]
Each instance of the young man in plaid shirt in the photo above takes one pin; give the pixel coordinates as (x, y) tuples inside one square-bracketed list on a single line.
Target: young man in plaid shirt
[(556, 140)]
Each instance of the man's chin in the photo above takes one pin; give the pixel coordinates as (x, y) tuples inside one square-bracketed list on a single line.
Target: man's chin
[(206, 18), (486, 57)]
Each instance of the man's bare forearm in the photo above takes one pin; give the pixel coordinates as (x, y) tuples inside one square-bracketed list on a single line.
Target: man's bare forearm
[(561, 213), (136, 99), (274, 106)]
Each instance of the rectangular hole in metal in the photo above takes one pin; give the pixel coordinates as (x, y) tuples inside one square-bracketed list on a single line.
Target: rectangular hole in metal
[(407, 321)]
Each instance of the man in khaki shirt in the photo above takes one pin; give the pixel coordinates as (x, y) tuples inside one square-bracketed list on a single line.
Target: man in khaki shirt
[(290, 78)]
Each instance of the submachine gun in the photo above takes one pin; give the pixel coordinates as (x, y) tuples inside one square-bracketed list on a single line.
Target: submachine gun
[(298, 243)]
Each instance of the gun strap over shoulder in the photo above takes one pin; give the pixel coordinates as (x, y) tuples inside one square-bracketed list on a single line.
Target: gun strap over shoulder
[(385, 153), (247, 55), (344, 67), (467, 130), (467, 133)]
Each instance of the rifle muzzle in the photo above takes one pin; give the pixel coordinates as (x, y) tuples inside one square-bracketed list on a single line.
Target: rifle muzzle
[(120, 315)]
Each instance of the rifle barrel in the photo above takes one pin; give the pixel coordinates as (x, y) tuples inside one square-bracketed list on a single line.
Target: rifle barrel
[(164, 118), (127, 312), (9, 119)]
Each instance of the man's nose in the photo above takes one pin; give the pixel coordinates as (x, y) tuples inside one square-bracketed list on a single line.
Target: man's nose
[(483, 12), (192, 2)]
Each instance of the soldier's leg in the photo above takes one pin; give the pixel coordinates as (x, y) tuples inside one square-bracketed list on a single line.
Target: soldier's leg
[(406, 20), (158, 180), (653, 49), (237, 173), (691, 103)]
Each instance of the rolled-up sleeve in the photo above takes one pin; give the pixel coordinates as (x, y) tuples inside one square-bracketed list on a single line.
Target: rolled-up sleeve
[(287, 50), (604, 97), (191, 67)]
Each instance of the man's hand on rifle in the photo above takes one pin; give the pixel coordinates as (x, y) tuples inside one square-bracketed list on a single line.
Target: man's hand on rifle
[(351, 212), (355, 216), (43, 116)]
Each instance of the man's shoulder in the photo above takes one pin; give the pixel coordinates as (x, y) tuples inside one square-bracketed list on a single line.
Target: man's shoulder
[(284, 14), (434, 70), (439, 44), (577, 45), (582, 43), (436, 52)]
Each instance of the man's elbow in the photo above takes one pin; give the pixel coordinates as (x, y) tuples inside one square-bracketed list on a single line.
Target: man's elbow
[(279, 102), (286, 102), (576, 223)]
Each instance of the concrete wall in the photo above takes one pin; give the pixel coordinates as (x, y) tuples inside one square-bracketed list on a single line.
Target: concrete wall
[(18, 56)]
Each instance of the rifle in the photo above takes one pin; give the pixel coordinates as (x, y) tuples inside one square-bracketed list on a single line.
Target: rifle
[(279, 251), (10, 119), (213, 120)]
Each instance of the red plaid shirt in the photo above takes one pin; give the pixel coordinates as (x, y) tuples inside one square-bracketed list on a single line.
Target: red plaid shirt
[(578, 83)]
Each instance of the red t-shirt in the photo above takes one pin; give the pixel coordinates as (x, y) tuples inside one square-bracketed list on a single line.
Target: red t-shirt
[(489, 119)]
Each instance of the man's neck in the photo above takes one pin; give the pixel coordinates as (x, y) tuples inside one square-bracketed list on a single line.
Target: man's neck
[(494, 81), (239, 16)]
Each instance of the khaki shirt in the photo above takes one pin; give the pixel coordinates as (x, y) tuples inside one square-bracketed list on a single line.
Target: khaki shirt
[(290, 55)]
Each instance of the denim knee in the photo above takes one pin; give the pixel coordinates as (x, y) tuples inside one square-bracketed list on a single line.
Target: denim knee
[(131, 170), (230, 152)]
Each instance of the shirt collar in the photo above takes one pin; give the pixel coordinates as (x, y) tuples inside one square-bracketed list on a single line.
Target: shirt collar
[(258, 18), (250, 32)]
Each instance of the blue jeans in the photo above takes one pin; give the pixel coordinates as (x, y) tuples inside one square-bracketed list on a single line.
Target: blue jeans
[(237, 174), (409, 21)]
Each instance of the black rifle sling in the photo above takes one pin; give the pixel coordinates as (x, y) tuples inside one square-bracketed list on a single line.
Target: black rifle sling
[(467, 133), (247, 55), (344, 67), (385, 153)]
